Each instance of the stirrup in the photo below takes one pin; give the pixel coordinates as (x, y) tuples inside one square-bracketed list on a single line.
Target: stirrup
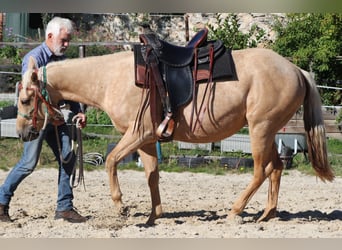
[(165, 129)]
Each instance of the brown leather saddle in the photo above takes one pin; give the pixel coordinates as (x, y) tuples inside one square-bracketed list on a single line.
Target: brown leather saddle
[(174, 70)]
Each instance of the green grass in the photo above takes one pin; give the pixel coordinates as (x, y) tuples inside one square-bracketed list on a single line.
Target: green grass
[(11, 149), (10, 152), (5, 103), (334, 155), (334, 146)]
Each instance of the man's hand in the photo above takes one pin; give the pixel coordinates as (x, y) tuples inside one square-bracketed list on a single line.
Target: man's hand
[(81, 120)]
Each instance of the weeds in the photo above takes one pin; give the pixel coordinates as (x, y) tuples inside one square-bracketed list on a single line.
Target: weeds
[(11, 149)]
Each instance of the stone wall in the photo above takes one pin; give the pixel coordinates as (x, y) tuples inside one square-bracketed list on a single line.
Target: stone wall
[(125, 27), (174, 28)]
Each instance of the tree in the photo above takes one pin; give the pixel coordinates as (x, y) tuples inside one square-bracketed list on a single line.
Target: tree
[(228, 30), (313, 41)]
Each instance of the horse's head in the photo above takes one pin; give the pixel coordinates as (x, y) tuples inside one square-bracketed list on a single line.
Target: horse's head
[(34, 109)]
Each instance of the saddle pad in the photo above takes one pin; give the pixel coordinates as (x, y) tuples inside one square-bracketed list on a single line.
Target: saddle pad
[(179, 80), (224, 68)]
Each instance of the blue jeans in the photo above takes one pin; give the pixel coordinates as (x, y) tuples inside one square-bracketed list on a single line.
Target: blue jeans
[(29, 161)]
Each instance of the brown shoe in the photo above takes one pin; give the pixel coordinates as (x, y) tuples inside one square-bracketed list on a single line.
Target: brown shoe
[(4, 216), (71, 216)]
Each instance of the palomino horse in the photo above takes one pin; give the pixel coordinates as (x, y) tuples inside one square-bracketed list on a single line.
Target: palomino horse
[(268, 92)]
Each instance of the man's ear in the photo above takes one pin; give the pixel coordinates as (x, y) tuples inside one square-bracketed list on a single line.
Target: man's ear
[(32, 63)]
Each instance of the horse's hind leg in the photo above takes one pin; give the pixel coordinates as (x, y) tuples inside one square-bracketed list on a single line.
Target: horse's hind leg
[(265, 163), (273, 189), (148, 156)]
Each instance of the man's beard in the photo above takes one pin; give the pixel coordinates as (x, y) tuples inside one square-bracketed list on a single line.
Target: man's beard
[(58, 50)]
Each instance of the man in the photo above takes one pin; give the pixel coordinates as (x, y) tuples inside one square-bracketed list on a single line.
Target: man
[(57, 38)]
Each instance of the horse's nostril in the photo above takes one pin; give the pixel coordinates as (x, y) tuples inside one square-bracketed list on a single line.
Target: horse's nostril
[(28, 134)]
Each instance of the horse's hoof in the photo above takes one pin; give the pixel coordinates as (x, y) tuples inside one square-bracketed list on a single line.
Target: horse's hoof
[(124, 211), (236, 219), (150, 222), (267, 215)]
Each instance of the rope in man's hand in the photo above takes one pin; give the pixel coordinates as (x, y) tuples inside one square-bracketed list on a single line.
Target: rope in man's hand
[(80, 122)]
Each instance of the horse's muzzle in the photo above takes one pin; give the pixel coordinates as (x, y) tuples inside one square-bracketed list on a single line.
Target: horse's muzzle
[(28, 134)]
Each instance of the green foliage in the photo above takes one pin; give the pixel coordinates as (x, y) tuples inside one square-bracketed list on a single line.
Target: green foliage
[(99, 122), (335, 146), (244, 131), (12, 53), (11, 149), (313, 41), (339, 118), (97, 144), (6, 103), (228, 31), (96, 116)]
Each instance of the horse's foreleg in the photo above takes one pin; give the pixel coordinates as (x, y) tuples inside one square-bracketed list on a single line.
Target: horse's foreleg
[(273, 189), (149, 158), (128, 144), (111, 167)]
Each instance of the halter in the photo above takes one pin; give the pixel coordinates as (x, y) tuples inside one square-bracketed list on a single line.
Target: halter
[(41, 96)]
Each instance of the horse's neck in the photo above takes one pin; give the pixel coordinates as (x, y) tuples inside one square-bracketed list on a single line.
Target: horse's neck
[(68, 82), (93, 80)]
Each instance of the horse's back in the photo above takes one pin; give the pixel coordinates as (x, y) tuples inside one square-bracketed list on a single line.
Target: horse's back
[(254, 61), (269, 89)]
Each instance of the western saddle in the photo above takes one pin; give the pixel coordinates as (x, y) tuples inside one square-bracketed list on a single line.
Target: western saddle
[(174, 71)]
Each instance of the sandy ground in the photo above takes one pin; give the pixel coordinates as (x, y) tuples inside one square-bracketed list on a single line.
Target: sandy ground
[(195, 206)]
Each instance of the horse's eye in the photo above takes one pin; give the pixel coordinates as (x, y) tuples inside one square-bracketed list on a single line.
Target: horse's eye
[(25, 102)]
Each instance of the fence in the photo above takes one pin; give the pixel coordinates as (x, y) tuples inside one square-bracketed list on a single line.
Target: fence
[(240, 144)]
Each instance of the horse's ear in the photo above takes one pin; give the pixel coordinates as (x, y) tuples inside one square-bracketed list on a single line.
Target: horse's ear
[(34, 77), (31, 63)]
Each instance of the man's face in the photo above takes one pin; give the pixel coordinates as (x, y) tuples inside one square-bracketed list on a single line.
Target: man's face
[(60, 43)]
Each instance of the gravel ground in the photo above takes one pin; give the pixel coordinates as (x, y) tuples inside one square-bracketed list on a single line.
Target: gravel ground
[(195, 205)]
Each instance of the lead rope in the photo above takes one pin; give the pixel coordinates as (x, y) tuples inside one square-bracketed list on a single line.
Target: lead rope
[(78, 150), (79, 155)]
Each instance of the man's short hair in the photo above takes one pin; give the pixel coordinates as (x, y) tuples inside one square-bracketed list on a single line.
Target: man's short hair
[(56, 24)]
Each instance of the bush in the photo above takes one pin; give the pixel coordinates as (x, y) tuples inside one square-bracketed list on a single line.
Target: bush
[(13, 54), (96, 116), (228, 31)]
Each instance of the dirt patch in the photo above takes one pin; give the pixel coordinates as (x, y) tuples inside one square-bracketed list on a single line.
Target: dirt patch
[(195, 206)]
